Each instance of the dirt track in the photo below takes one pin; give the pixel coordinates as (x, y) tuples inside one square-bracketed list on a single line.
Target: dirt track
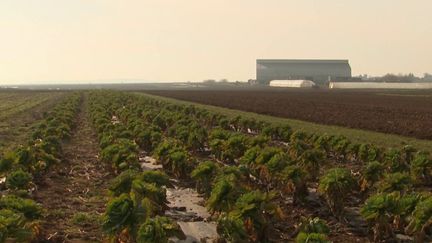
[(397, 112), (76, 187)]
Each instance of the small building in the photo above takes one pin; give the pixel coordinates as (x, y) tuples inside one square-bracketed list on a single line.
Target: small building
[(292, 83), (318, 71)]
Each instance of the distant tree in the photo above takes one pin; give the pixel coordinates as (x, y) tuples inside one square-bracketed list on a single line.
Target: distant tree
[(393, 78), (427, 77), (209, 81), (252, 81)]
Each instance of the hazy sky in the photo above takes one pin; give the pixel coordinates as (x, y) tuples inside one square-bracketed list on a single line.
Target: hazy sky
[(180, 40)]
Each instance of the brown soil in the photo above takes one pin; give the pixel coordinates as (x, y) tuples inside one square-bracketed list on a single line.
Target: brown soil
[(407, 113), (77, 186)]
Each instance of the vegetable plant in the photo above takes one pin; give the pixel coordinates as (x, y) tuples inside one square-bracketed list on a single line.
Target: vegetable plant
[(296, 179), (313, 230), (18, 179), (159, 229), (335, 186), (204, 175), (379, 210), (421, 220)]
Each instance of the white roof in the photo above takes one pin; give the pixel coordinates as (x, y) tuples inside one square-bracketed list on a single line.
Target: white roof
[(378, 85), (292, 83)]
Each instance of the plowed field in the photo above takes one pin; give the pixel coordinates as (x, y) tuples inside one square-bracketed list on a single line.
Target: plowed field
[(397, 112)]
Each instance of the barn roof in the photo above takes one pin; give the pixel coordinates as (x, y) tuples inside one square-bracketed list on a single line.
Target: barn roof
[(304, 61)]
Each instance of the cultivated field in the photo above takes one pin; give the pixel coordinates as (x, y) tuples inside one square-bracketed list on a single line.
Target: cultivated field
[(12, 103), (131, 167), (19, 110), (402, 113)]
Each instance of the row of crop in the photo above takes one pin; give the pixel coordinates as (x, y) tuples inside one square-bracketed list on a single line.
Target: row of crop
[(244, 212), (395, 174), (255, 166), (24, 166), (178, 134), (138, 199)]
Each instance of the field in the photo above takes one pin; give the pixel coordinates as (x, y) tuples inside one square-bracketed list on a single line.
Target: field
[(131, 167), (403, 113), (19, 110)]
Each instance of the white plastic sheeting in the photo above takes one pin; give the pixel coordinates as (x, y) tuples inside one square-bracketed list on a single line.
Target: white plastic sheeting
[(292, 83), (376, 85)]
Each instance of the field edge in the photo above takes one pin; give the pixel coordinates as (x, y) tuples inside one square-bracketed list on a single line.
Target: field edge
[(355, 135)]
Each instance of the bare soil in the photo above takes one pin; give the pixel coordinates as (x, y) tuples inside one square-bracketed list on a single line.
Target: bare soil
[(407, 113), (186, 206), (75, 192)]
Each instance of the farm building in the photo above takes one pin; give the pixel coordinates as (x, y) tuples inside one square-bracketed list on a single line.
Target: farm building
[(377, 85), (292, 83), (319, 71)]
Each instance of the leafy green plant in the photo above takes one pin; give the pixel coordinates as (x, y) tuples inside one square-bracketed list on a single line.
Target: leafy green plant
[(335, 186), (159, 229), (382, 209), (256, 211), (123, 182), (277, 163), (122, 154), (14, 225), (281, 132), (421, 219), (120, 217), (311, 160), (367, 152), (303, 237), (408, 152), (298, 136), (204, 174), (155, 194), (284, 132), (296, 180), (6, 162), (179, 163), (313, 230), (352, 151), (29, 208), (231, 228), (340, 145), (405, 206), (379, 210), (159, 178), (148, 138), (34, 158), (421, 168), (219, 133), (18, 179), (166, 147), (372, 172), (197, 138), (393, 158), (314, 225), (234, 147), (395, 182), (225, 192), (269, 161), (250, 156)]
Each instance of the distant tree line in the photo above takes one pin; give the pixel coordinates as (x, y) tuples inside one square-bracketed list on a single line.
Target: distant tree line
[(402, 78)]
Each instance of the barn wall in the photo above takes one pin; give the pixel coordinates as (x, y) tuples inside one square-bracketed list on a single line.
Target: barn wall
[(314, 70)]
